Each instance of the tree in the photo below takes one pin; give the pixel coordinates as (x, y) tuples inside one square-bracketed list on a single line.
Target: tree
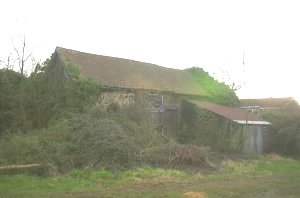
[(285, 133), (22, 56), (13, 80), (9, 90)]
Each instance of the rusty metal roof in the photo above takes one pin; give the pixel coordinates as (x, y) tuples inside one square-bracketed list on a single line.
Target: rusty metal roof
[(124, 73), (233, 113)]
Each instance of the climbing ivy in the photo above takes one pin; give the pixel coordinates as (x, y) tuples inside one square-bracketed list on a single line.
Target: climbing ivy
[(218, 92)]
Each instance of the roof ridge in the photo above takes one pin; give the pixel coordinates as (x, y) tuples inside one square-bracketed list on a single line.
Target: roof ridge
[(276, 98), (126, 73), (123, 59)]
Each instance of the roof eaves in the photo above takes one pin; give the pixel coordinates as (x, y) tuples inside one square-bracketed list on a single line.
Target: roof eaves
[(250, 122), (233, 113)]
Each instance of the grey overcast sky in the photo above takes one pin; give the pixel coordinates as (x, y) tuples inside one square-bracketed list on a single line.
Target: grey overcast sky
[(212, 34)]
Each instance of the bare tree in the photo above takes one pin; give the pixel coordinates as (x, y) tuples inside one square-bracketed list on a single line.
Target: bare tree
[(21, 56), (233, 85), (8, 63), (21, 59)]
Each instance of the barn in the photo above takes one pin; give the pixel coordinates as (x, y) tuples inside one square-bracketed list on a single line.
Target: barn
[(163, 92)]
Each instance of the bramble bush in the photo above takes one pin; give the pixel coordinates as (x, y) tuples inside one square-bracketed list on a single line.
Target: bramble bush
[(91, 139), (173, 155)]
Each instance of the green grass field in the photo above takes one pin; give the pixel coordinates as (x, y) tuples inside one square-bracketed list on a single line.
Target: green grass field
[(264, 177)]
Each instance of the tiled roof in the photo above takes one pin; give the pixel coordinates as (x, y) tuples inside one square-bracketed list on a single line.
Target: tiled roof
[(124, 73), (233, 113), (269, 102)]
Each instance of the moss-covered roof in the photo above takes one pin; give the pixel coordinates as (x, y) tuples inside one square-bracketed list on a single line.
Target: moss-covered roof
[(124, 73)]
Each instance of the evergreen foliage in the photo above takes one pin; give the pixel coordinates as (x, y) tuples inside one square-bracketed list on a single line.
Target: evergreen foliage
[(42, 99), (285, 133), (9, 94), (204, 128)]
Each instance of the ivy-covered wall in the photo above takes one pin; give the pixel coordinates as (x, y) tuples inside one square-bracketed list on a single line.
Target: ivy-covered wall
[(202, 127), (181, 120)]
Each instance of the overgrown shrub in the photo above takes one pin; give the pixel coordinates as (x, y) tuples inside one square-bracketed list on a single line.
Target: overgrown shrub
[(39, 146), (19, 149), (85, 141), (285, 134), (10, 83), (102, 142), (92, 139), (32, 102)]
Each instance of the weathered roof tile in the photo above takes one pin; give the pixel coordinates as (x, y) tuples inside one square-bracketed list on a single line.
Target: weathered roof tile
[(124, 73)]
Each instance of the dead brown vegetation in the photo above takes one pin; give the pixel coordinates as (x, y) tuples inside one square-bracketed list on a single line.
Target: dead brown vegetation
[(175, 155)]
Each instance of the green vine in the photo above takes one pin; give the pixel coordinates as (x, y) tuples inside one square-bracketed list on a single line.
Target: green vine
[(219, 92)]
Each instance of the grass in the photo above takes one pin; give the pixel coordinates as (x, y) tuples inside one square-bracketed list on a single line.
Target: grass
[(277, 166), (264, 177)]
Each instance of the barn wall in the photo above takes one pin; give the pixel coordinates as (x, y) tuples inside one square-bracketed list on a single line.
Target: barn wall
[(204, 128), (57, 71), (120, 98), (163, 108)]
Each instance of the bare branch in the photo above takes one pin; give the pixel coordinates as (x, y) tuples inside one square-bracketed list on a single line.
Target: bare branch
[(8, 63), (23, 53), (18, 54), (28, 56), (22, 56)]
